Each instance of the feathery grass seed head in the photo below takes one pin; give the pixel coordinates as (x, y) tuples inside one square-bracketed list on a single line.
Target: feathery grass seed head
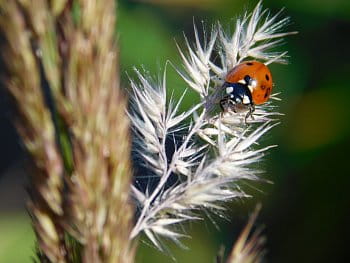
[(217, 150)]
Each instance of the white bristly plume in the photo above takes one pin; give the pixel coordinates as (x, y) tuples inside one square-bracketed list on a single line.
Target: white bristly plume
[(213, 154), (197, 64), (255, 34)]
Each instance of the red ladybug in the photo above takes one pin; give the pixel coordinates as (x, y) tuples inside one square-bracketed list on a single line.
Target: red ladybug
[(247, 84)]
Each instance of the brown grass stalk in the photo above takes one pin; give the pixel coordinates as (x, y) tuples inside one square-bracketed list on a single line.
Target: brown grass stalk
[(62, 65)]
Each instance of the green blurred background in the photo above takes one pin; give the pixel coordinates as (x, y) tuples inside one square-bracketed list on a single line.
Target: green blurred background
[(306, 211)]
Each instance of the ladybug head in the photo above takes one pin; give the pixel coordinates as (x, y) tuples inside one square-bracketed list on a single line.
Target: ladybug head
[(238, 93)]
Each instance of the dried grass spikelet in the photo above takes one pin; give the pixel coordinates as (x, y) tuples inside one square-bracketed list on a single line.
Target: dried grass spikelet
[(216, 152), (37, 131), (76, 59), (248, 248), (100, 182)]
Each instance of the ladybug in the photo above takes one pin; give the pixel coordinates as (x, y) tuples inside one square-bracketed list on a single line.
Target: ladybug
[(247, 84)]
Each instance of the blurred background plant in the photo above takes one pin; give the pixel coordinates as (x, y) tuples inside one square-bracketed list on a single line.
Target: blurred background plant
[(306, 210)]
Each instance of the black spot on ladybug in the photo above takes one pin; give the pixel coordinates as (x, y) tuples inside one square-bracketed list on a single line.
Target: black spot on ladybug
[(263, 87), (267, 77), (267, 93), (247, 79), (249, 64)]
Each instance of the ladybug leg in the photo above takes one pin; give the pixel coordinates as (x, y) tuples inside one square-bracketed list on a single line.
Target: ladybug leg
[(249, 113), (251, 110), (245, 118), (223, 106), (223, 103)]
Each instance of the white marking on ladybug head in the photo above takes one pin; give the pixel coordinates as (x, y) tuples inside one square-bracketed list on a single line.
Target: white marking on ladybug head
[(242, 81), (246, 99), (229, 90)]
